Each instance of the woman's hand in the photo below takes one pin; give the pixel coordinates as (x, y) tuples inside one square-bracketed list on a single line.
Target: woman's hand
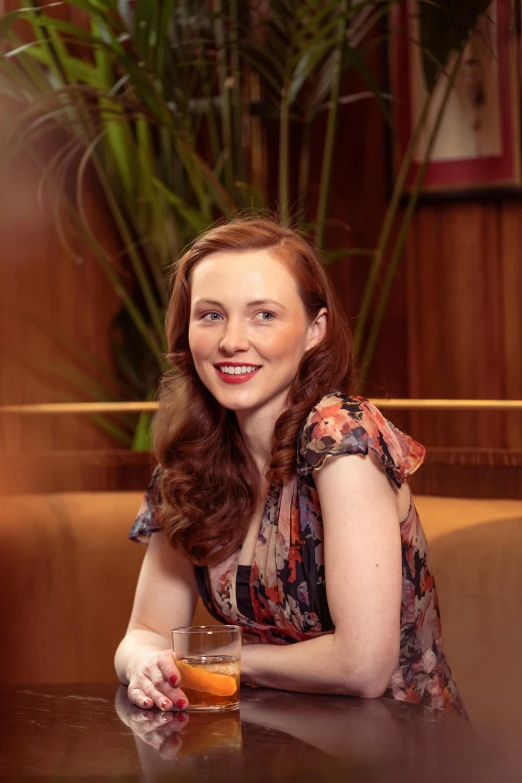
[(154, 680)]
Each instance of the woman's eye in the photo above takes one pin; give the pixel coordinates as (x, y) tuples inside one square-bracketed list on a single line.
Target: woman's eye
[(266, 315), (210, 317)]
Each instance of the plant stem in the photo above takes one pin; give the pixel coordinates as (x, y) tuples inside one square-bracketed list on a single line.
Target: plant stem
[(284, 134), (226, 123), (210, 113), (130, 248), (326, 172), (239, 168), (304, 167), (47, 41)]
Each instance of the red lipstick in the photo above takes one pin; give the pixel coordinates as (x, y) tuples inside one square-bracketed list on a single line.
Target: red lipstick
[(229, 378)]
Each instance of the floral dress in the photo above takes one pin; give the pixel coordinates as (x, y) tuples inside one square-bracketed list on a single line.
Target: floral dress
[(288, 583)]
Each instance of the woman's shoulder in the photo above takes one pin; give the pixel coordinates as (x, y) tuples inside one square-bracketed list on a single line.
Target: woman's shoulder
[(343, 424)]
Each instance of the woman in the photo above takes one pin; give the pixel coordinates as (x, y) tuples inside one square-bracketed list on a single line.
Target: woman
[(322, 561)]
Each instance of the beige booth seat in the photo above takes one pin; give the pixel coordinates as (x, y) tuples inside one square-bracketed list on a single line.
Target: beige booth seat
[(66, 584), (476, 554), (68, 575)]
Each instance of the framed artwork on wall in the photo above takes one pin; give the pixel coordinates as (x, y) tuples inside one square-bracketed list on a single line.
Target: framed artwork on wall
[(477, 147)]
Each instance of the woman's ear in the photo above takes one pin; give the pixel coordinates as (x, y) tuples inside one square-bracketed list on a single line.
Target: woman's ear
[(317, 329)]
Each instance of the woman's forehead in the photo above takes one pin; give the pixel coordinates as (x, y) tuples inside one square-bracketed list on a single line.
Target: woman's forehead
[(239, 270)]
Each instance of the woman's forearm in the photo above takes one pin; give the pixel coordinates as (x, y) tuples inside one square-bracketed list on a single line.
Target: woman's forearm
[(135, 642), (321, 665)]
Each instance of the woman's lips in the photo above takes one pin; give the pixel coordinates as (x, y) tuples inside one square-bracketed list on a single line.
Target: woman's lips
[(243, 378)]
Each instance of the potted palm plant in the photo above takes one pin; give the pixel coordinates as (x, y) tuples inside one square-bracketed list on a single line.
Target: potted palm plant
[(170, 107)]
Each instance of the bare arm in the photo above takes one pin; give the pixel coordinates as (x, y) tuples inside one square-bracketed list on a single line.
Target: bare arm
[(165, 598), (362, 550)]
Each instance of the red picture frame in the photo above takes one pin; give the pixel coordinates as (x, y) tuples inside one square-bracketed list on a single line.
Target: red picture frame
[(478, 144)]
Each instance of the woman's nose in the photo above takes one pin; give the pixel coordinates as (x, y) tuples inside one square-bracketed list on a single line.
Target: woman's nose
[(234, 338)]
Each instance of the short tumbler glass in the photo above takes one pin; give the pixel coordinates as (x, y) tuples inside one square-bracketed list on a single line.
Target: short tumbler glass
[(208, 658)]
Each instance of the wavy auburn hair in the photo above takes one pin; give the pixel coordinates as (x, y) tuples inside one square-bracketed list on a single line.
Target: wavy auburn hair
[(209, 482)]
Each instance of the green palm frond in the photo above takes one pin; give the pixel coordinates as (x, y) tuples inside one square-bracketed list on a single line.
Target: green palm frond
[(153, 102)]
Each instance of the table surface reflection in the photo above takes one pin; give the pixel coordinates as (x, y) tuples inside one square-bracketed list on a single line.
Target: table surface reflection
[(57, 732)]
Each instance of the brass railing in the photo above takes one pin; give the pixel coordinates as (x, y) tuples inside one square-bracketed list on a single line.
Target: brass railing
[(138, 407)]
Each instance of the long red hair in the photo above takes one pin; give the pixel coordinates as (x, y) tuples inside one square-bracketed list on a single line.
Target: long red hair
[(209, 482)]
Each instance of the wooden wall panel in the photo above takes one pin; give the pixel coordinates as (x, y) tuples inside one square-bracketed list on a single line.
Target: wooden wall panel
[(511, 314), (464, 302), (38, 279)]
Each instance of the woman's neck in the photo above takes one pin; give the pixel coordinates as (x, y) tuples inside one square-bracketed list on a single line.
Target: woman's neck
[(257, 429)]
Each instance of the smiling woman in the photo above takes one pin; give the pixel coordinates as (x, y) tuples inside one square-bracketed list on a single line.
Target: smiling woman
[(243, 342), (322, 562), (250, 292)]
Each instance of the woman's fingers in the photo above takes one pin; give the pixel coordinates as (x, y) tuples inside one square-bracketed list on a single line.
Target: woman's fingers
[(139, 698), (159, 697), (167, 667), (156, 684), (166, 678), (148, 696), (164, 684), (174, 696)]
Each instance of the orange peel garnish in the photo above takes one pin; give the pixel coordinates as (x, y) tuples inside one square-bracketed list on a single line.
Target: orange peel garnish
[(207, 682)]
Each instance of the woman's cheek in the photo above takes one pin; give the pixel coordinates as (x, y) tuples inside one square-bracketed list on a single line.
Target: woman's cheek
[(200, 344), (281, 343), (286, 344)]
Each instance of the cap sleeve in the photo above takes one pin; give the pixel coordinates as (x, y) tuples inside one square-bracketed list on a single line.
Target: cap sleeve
[(146, 522), (353, 425)]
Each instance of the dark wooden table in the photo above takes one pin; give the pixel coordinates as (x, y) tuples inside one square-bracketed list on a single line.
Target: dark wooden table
[(92, 732)]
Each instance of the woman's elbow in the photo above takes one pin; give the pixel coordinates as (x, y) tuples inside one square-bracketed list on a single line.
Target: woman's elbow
[(370, 687), (373, 689), (370, 679)]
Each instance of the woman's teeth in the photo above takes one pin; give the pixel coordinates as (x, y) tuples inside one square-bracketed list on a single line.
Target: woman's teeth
[(243, 370)]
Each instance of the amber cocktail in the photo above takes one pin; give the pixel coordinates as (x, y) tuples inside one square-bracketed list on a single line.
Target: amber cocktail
[(208, 660)]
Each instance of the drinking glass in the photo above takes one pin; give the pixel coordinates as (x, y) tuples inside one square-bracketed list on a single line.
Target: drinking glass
[(208, 658)]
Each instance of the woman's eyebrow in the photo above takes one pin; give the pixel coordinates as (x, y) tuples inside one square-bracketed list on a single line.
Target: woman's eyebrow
[(258, 302), (254, 303), (211, 302)]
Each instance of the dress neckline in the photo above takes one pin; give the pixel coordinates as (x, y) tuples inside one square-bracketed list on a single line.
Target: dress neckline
[(275, 519)]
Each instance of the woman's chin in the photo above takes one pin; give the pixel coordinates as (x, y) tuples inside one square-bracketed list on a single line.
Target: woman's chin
[(237, 399), (238, 403), (243, 398)]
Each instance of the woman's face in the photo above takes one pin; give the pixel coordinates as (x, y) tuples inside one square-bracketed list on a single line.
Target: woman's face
[(248, 329)]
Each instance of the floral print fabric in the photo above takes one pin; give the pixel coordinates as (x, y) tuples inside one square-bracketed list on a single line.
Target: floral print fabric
[(288, 583)]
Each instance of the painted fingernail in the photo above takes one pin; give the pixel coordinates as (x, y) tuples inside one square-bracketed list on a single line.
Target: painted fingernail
[(165, 703), (180, 704), (146, 702), (174, 679), (181, 717)]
